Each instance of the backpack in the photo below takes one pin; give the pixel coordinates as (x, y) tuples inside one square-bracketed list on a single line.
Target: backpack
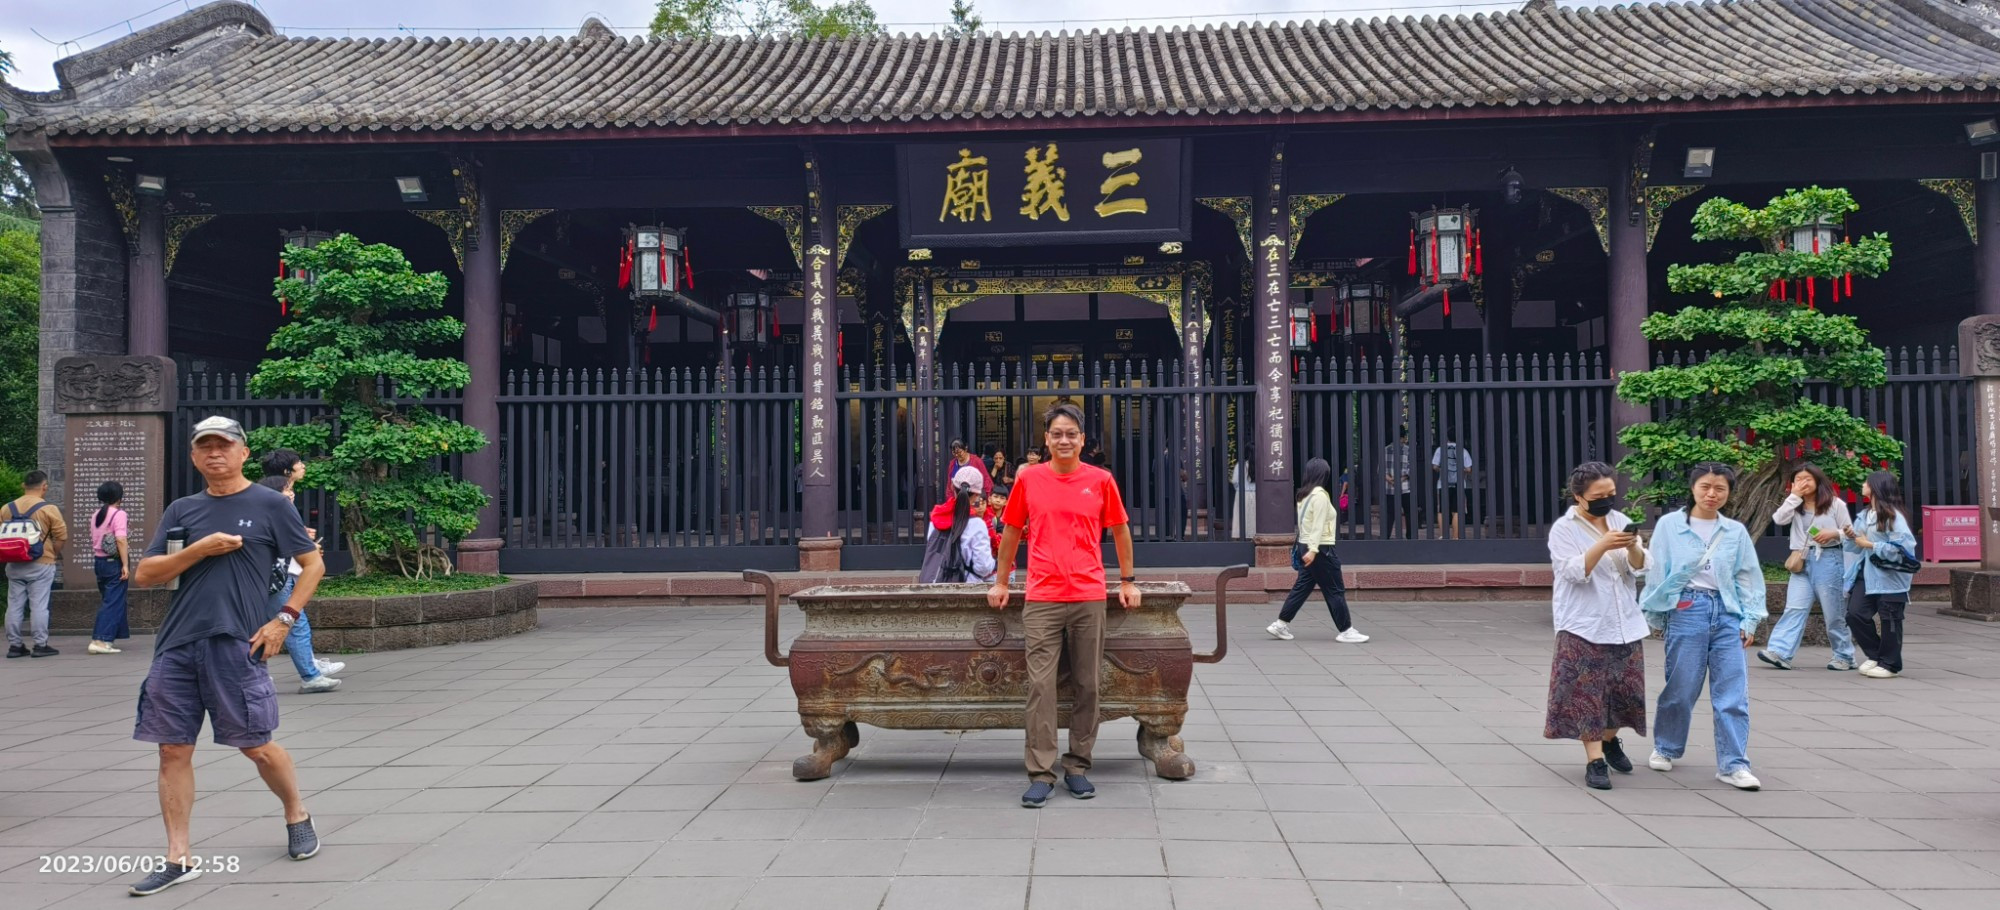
[(944, 559), (20, 535)]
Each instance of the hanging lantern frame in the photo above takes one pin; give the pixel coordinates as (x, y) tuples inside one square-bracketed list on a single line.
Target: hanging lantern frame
[(753, 317), (1816, 236), (1302, 326), (1359, 305), (303, 239), (652, 261)]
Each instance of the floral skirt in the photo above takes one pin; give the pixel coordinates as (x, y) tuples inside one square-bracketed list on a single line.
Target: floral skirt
[(1596, 689)]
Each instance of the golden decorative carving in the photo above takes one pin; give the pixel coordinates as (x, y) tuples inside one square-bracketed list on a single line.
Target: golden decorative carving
[(1658, 200), (1238, 208), (1960, 192), (452, 223), (792, 218), (851, 218), (178, 227), (1302, 207), (920, 254), (512, 223), (1596, 200), (119, 185)]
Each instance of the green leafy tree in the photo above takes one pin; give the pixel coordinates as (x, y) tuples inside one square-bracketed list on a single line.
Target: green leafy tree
[(354, 341), (763, 18), (1746, 402), (20, 344), (965, 21), (17, 196)]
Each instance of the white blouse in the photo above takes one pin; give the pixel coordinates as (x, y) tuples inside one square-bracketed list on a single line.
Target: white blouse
[(1601, 607)]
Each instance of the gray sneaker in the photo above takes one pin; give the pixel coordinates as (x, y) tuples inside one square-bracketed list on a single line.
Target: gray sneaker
[(1774, 660), (1838, 664), (169, 875), (320, 683), (302, 840)]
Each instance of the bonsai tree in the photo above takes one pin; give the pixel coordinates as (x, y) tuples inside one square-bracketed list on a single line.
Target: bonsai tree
[(360, 316), (1745, 402)]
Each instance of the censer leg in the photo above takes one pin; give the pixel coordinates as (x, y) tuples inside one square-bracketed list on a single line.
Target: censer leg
[(832, 738), (1159, 742)]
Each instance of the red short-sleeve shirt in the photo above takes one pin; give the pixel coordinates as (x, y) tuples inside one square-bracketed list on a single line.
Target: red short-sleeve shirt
[(1065, 516)]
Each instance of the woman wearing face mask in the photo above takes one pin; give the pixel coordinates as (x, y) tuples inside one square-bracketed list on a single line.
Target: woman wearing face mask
[(1818, 519), (1597, 684), (1706, 589), (1879, 594)]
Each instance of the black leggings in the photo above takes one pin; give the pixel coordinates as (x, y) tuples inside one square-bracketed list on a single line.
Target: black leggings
[(1323, 573)]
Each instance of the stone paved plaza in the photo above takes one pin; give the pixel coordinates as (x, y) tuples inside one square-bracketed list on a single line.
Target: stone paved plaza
[(639, 759)]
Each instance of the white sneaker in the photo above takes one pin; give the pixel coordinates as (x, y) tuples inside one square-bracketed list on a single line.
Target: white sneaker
[(101, 648), (320, 683), (1659, 762), (1866, 666), (1279, 630), (1352, 636), (1879, 672), (327, 667), (1741, 779)]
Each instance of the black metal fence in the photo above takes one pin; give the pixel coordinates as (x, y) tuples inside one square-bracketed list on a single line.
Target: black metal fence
[(688, 469)]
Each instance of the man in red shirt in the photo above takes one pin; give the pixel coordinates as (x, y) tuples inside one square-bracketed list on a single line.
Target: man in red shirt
[(1065, 506)]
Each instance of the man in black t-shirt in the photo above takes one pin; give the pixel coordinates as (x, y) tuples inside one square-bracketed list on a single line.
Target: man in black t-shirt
[(209, 657)]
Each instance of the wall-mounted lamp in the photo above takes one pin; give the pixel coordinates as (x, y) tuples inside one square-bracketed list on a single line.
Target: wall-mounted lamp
[(1700, 163), (1983, 132), (149, 185), (412, 189), (1510, 186)]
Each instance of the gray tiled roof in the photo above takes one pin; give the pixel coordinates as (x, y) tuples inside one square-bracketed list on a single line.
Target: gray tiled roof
[(219, 69)]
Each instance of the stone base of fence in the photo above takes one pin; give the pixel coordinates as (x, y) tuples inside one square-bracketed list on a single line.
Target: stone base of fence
[(1975, 594), (350, 623)]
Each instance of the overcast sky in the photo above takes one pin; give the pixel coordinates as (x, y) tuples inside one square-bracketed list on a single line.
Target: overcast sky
[(30, 26)]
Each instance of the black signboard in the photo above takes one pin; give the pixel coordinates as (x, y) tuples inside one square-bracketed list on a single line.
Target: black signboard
[(1013, 192)]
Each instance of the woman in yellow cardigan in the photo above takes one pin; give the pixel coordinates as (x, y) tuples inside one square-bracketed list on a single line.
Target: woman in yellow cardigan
[(1314, 558)]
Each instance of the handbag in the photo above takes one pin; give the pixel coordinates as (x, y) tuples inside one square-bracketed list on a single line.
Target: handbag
[(1899, 560), (1796, 563)]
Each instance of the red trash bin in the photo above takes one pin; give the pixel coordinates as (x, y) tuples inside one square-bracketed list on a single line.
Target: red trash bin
[(1951, 533)]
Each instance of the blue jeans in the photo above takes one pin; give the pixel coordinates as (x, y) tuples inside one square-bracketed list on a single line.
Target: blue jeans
[(112, 616), (1703, 641), (1824, 581), (299, 643)]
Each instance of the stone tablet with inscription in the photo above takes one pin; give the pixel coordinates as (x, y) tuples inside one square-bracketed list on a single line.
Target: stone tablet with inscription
[(116, 414)]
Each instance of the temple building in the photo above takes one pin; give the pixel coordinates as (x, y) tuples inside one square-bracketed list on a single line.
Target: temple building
[(728, 301)]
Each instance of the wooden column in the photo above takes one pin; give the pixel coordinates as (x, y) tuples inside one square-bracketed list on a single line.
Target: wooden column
[(819, 545), (1194, 457), (480, 552), (926, 423), (146, 271), (1271, 367), (1627, 298), (1986, 249)]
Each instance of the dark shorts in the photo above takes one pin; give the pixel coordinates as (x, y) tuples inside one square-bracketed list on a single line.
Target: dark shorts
[(216, 677)]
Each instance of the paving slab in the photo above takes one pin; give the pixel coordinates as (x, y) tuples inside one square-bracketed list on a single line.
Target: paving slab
[(621, 758)]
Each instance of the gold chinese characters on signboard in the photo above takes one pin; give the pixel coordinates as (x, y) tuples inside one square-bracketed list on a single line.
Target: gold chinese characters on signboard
[(967, 183)]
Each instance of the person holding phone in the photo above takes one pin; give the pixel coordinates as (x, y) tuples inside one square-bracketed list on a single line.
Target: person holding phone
[(1710, 600), (1597, 683), (1878, 594), (1817, 519)]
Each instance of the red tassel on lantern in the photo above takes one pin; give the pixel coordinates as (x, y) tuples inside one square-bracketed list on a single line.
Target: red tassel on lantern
[(1850, 284), (284, 306), (625, 267), (1812, 288), (1312, 330), (1478, 253), (1434, 252), (1413, 251), (687, 268), (652, 318), (663, 271), (1447, 303)]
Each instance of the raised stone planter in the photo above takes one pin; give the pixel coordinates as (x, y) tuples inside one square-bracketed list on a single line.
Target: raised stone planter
[(353, 623)]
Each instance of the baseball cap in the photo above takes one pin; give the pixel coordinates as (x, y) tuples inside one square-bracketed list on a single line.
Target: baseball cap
[(219, 425), (968, 478)]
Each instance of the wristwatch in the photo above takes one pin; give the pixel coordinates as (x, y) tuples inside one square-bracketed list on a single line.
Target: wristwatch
[(1129, 579), (288, 616)]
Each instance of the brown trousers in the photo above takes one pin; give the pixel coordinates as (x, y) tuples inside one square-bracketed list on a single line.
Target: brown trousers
[(1046, 625)]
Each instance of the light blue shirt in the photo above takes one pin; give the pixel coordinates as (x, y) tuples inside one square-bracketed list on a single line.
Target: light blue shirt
[(1674, 556), (1878, 580)]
